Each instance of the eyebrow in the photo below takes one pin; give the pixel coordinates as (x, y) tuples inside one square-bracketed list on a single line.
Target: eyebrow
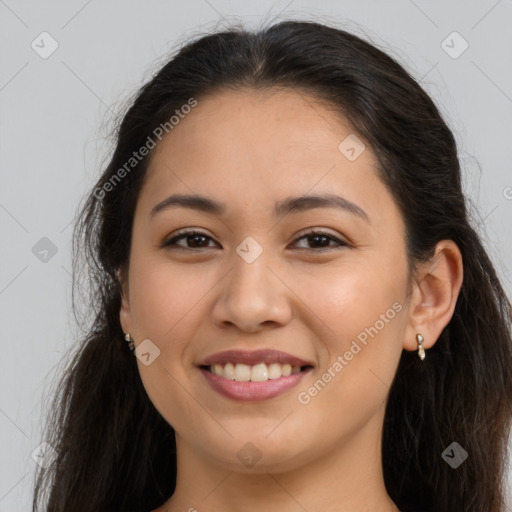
[(284, 207)]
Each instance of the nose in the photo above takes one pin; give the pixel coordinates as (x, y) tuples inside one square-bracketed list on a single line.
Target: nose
[(253, 296)]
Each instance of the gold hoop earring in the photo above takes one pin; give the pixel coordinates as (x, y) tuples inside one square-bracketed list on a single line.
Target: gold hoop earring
[(421, 351)]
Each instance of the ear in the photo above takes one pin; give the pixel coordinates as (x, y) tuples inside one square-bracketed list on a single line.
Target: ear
[(125, 312), (435, 291)]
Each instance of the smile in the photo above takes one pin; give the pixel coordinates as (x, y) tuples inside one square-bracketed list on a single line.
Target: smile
[(253, 383)]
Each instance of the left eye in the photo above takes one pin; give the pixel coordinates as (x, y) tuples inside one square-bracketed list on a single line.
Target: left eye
[(197, 238), (316, 236)]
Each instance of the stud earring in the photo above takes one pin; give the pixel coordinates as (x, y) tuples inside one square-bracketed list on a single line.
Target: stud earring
[(421, 351), (129, 342)]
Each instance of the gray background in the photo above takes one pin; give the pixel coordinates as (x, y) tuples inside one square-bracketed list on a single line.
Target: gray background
[(55, 113)]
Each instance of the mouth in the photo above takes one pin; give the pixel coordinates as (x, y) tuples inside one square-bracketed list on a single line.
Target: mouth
[(253, 375), (255, 382)]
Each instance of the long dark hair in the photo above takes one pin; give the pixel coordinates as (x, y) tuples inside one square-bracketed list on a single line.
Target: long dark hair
[(114, 451)]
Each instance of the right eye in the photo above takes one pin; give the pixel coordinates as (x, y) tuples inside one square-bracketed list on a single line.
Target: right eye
[(190, 236)]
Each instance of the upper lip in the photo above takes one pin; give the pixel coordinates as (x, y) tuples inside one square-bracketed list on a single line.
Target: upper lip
[(254, 357)]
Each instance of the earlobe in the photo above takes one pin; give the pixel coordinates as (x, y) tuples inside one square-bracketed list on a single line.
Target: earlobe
[(436, 290)]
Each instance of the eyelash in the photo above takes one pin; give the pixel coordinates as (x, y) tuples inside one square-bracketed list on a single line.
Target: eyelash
[(313, 233)]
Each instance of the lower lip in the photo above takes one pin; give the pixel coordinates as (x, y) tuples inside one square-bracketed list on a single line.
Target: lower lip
[(249, 391)]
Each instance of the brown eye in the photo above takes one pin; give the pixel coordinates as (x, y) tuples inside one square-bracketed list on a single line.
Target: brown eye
[(196, 239), (321, 240)]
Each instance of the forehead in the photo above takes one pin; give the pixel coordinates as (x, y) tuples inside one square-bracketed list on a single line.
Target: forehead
[(272, 119), (257, 147), (236, 132)]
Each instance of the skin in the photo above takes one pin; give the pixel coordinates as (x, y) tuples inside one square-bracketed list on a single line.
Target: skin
[(248, 150)]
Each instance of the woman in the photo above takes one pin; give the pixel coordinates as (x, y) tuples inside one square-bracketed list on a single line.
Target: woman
[(292, 311)]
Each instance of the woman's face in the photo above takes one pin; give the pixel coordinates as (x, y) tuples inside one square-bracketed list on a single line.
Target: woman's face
[(253, 280)]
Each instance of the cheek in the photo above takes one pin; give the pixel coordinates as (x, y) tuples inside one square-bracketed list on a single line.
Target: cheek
[(166, 306), (162, 295), (362, 308), (351, 297)]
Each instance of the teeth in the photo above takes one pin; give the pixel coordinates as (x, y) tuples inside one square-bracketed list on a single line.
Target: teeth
[(257, 373), (242, 372), (286, 369), (274, 371), (229, 371)]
